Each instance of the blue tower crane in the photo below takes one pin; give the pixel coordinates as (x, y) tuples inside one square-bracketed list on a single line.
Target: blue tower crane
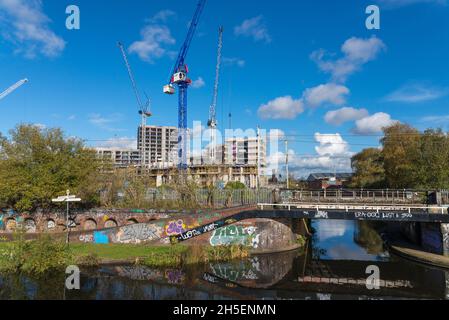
[(178, 77)]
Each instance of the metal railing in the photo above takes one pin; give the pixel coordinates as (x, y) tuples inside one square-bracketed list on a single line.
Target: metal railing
[(353, 207), (354, 195)]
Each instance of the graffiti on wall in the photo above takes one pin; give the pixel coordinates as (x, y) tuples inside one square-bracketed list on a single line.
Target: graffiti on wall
[(235, 235), (86, 238), (175, 228), (137, 233)]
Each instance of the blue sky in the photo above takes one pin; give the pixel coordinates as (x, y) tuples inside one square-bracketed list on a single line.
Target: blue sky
[(308, 68)]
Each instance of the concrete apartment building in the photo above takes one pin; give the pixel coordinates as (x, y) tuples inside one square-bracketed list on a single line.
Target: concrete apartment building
[(159, 145), (122, 158), (246, 151)]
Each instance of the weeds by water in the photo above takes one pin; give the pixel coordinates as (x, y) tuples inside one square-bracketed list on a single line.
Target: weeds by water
[(34, 257)]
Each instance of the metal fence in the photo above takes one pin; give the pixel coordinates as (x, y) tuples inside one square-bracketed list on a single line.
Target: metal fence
[(217, 198), (385, 196)]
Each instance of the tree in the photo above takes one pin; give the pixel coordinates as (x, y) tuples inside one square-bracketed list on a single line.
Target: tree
[(37, 165), (400, 152), (432, 165), (368, 167)]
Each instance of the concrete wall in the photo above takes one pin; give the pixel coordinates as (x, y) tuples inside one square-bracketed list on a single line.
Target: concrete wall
[(259, 235)]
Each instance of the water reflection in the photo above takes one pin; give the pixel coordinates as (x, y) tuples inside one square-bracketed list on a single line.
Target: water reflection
[(332, 266), (347, 240)]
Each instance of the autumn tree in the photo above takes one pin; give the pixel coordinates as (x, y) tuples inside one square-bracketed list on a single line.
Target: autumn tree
[(400, 154), (368, 167), (38, 164)]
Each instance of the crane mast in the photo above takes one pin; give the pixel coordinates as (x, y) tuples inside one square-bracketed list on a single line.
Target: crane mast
[(13, 88), (178, 76), (144, 109)]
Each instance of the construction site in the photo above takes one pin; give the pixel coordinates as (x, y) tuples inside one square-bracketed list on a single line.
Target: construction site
[(163, 153)]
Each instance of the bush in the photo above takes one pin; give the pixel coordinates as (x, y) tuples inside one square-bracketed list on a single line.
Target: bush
[(34, 257)]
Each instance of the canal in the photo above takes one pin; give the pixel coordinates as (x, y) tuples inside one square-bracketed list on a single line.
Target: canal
[(332, 266)]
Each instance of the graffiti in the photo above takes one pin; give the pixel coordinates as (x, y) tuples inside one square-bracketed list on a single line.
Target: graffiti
[(210, 227), (175, 276), (175, 228), (139, 273), (11, 225), (233, 273), (110, 224), (51, 224), (445, 231), (86, 238), (137, 233), (209, 278), (101, 237), (321, 215), (235, 235), (190, 234)]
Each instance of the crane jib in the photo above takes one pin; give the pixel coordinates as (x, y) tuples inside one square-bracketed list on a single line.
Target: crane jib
[(180, 61)]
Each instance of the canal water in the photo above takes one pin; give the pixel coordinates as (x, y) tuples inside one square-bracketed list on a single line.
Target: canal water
[(332, 266)]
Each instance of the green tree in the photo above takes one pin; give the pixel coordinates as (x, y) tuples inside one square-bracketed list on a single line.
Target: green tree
[(368, 167), (432, 165), (401, 144), (38, 164), (235, 185)]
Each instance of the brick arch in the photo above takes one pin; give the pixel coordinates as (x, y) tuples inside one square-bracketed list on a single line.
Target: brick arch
[(90, 224), (132, 221), (110, 223), (50, 225), (10, 224), (30, 225)]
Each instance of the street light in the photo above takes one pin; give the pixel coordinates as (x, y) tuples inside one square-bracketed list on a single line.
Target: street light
[(67, 199)]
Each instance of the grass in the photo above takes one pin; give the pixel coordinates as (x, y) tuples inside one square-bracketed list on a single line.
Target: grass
[(153, 256)]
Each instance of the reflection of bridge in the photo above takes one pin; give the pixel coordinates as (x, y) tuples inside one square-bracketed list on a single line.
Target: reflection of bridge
[(337, 279)]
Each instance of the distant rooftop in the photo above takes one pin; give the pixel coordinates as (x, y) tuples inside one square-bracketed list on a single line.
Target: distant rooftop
[(324, 176)]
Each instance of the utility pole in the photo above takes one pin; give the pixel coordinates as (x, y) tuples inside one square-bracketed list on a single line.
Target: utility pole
[(67, 199), (286, 164), (258, 158)]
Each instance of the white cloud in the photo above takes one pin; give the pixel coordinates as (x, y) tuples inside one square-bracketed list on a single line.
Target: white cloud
[(24, 24), (356, 53), (331, 145), (255, 28), (234, 62), (332, 155), (443, 119), (106, 122), (281, 108), (198, 83), (119, 143), (340, 116), (329, 93), (151, 46), (373, 124), (415, 93), (162, 16)]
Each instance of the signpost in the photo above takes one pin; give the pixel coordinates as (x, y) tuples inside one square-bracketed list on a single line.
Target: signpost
[(67, 199)]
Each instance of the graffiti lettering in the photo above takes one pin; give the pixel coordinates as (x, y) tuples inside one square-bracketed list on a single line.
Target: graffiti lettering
[(137, 233), (86, 238), (175, 228)]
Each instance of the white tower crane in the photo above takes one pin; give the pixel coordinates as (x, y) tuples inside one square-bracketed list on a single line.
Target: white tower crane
[(144, 108), (212, 122), (13, 88)]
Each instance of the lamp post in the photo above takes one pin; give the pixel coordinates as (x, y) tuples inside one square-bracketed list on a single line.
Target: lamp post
[(67, 199)]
